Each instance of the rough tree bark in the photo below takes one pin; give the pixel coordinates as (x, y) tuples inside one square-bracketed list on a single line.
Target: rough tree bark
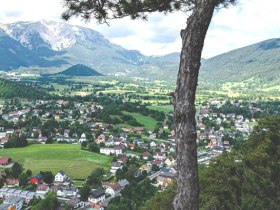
[(184, 104)]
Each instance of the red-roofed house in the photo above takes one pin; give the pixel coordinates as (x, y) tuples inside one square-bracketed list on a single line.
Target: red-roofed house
[(112, 188), (159, 156), (146, 155), (100, 139), (123, 159), (4, 161)]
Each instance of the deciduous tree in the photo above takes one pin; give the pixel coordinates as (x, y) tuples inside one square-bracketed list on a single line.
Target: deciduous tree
[(184, 97)]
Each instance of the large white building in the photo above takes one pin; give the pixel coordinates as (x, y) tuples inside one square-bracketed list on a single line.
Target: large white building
[(117, 150), (13, 202)]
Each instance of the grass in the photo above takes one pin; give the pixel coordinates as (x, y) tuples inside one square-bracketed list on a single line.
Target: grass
[(276, 87), (164, 108), (147, 121), (77, 163), (78, 183)]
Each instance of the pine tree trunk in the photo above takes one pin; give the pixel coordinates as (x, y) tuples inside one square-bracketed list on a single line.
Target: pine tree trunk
[(184, 104)]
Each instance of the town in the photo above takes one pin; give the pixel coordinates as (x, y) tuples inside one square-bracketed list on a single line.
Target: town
[(136, 154)]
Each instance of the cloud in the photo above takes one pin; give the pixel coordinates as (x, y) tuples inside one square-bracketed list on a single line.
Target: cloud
[(13, 14), (246, 23)]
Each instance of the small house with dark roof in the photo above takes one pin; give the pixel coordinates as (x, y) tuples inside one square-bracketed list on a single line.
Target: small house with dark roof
[(60, 176), (123, 183), (96, 196)]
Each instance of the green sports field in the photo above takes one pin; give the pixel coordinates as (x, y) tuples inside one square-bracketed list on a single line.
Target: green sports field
[(76, 163)]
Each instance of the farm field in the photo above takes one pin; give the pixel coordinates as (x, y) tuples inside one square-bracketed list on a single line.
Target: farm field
[(147, 121), (76, 163), (163, 108)]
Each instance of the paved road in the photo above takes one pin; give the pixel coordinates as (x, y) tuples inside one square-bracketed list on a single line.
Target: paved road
[(154, 175)]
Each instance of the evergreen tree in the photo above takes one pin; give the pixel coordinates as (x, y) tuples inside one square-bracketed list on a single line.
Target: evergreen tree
[(184, 97), (16, 170), (50, 202)]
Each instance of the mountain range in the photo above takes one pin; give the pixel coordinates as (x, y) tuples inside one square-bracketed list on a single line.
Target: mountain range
[(50, 47)]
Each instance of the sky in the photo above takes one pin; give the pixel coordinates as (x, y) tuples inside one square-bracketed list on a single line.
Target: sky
[(249, 22)]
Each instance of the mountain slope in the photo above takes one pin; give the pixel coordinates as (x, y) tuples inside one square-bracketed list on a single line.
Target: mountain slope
[(73, 44), (54, 46), (80, 70), (13, 55), (261, 60)]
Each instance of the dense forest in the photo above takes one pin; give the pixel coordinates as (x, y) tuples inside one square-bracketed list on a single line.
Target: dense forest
[(9, 89)]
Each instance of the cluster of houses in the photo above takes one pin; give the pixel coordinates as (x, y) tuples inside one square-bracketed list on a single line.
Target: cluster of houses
[(15, 198), (158, 156), (214, 136), (40, 109)]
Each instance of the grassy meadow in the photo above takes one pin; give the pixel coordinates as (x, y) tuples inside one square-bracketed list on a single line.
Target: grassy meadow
[(77, 163), (147, 121), (163, 108)]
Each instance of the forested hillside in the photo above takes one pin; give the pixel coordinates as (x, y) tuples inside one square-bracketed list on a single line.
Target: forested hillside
[(9, 89), (248, 178)]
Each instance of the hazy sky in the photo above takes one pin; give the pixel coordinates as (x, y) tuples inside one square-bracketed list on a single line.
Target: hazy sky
[(248, 22)]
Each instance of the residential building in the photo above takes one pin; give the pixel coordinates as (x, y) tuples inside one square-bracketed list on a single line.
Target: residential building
[(4, 161), (112, 188), (115, 166), (14, 201), (96, 196), (75, 203), (60, 176), (42, 190), (11, 182)]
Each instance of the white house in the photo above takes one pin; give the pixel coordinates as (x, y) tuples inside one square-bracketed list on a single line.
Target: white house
[(83, 138), (112, 188), (107, 150), (67, 192), (119, 149), (75, 203), (115, 166), (115, 188), (153, 144), (60, 176), (42, 190), (96, 196)]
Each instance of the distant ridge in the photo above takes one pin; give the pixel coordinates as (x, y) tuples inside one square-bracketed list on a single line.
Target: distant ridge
[(260, 60), (32, 46), (80, 70)]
